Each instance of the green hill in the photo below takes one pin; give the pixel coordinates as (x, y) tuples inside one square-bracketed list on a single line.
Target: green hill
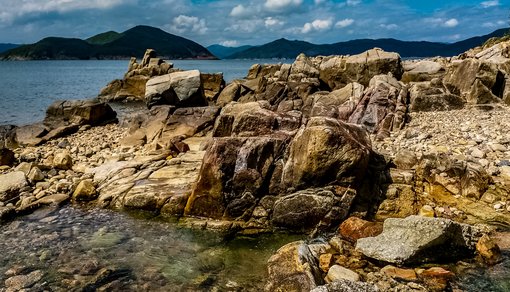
[(6, 47), (111, 45), (287, 49), (223, 51), (104, 38)]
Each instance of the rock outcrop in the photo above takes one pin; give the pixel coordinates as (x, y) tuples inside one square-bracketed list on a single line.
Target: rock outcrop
[(182, 88)]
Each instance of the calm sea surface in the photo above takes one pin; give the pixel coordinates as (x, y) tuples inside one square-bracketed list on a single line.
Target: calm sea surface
[(28, 88)]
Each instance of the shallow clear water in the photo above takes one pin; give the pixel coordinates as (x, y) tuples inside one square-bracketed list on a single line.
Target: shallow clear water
[(73, 243), (27, 88)]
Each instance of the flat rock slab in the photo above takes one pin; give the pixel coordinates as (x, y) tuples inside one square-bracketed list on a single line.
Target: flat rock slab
[(418, 239)]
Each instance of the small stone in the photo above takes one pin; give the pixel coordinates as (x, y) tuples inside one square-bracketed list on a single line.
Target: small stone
[(325, 261), (488, 250), (427, 211), (36, 174), (63, 161), (337, 272), (85, 191), (401, 274), (498, 206), (17, 283), (477, 153)]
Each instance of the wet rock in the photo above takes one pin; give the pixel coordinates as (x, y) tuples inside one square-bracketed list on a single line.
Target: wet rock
[(343, 285), (17, 283), (293, 268), (10, 184), (418, 239), (337, 272), (436, 278), (355, 228), (85, 191)]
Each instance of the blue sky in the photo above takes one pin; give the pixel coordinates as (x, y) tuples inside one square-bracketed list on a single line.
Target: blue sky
[(236, 22)]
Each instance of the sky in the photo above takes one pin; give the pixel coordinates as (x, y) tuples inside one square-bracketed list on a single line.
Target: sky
[(254, 22)]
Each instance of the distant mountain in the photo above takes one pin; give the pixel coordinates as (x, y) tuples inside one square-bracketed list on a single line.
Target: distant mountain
[(104, 38), (6, 47), (111, 45), (284, 48), (223, 51)]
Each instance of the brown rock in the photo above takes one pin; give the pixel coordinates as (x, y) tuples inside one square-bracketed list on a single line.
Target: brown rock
[(436, 278), (355, 228), (488, 250), (63, 161), (325, 261), (85, 191), (400, 274)]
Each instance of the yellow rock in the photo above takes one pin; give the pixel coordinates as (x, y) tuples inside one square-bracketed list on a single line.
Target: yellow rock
[(426, 211)]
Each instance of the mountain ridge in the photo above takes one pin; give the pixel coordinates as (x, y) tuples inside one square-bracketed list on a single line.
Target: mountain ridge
[(289, 49), (111, 45)]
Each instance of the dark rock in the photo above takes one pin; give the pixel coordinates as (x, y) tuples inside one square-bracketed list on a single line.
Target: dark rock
[(79, 112)]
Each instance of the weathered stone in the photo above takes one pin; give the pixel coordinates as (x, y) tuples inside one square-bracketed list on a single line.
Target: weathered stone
[(355, 228), (293, 268), (343, 285), (85, 191), (338, 71), (488, 250), (436, 278), (10, 185), (325, 261), (63, 160), (433, 96), (81, 112), (418, 239), (178, 88), (35, 175), (20, 282), (312, 208), (423, 70), (337, 272), (327, 151), (400, 274), (213, 84)]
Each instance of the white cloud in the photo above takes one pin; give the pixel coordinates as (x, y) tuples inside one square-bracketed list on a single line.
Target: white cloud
[(344, 23), (239, 11), (353, 2), (451, 23), (390, 26), (184, 23), (271, 22), (277, 5), (230, 43), (317, 25), (491, 3)]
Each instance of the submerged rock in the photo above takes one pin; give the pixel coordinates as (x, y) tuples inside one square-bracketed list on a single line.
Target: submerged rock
[(417, 239)]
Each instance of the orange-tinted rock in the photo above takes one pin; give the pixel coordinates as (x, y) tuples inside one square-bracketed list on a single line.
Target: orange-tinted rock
[(355, 228), (325, 261), (436, 278), (401, 274), (488, 250)]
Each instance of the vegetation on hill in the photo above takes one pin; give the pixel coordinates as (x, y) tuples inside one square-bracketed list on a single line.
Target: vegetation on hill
[(111, 45)]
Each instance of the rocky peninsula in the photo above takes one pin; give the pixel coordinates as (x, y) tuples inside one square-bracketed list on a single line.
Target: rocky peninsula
[(399, 171)]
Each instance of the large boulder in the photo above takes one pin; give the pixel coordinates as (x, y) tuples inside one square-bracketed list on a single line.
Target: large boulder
[(338, 104), (327, 151), (293, 268), (235, 173), (338, 71), (11, 184), (177, 88), (417, 239), (423, 70), (80, 112), (383, 107), (433, 96), (475, 81), (254, 119)]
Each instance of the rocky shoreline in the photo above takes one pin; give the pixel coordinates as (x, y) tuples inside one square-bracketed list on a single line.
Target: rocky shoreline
[(305, 147)]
